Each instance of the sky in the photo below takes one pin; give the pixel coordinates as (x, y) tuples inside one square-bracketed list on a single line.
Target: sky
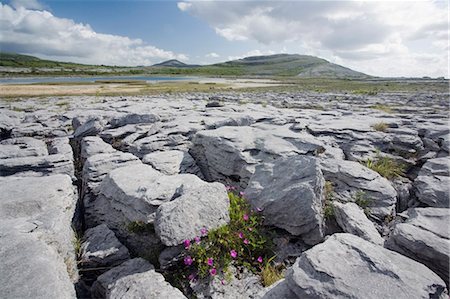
[(381, 38)]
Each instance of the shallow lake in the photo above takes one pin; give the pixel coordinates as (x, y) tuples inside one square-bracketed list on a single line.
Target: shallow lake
[(25, 80)]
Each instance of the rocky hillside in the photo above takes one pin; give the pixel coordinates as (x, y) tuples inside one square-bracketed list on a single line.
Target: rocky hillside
[(301, 195)]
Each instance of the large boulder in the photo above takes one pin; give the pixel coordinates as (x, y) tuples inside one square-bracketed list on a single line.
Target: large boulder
[(424, 237), (179, 205), (135, 278), (346, 266), (133, 118), (352, 179), (432, 183), (91, 127), (93, 145), (231, 153), (351, 219), (290, 192), (36, 248)]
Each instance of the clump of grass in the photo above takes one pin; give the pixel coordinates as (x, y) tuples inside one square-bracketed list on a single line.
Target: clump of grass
[(381, 126), (386, 167), (328, 209), (363, 201), (270, 273), (381, 107), (76, 243), (241, 243), (140, 227)]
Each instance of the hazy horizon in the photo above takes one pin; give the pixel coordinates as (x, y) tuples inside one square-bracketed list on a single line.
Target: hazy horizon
[(380, 38)]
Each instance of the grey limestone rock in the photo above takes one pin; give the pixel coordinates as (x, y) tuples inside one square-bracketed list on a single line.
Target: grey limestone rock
[(172, 162), (352, 219), (290, 192), (22, 147), (37, 166), (346, 266), (433, 183), (425, 237), (133, 118), (135, 278), (100, 248)]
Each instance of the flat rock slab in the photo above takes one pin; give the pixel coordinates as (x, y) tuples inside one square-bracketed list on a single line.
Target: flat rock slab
[(424, 237), (290, 192), (346, 266), (36, 237), (433, 183), (135, 278), (172, 162), (22, 147), (37, 166)]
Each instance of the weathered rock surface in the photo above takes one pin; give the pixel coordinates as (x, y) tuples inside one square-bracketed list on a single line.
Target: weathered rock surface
[(36, 238), (290, 192), (100, 248), (91, 127), (346, 266), (433, 183), (135, 278), (233, 152), (350, 178), (172, 162), (351, 219), (93, 145), (133, 118), (178, 205), (22, 147), (425, 237), (37, 166)]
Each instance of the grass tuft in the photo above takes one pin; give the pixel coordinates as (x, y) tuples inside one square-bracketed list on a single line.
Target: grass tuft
[(381, 127), (328, 209), (381, 107), (386, 167), (271, 274)]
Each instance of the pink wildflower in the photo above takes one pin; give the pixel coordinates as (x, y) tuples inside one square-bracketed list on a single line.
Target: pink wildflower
[(241, 194), (188, 261), (246, 242), (204, 231), (241, 235), (250, 229), (245, 217), (187, 244), (213, 271), (259, 209), (260, 259), (210, 262), (197, 240), (233, 253)]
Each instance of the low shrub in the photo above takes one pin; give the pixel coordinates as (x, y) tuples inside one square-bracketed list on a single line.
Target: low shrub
[(241, 243), (385, 166)]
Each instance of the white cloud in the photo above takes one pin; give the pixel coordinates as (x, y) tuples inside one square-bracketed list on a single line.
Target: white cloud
[(253, 53), (387, 38), (212, 55), (30, 4), (41, 33)]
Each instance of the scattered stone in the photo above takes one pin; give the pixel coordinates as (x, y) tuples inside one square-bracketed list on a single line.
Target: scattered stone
[(294, 201)]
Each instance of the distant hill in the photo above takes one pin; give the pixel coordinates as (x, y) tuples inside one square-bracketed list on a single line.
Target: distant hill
[(291, 65), (174, 63), (286, 65)]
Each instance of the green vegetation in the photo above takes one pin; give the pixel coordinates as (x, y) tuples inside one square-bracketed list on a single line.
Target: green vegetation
[(386, 166), (241, 243), (328, 209), (76, 242), (140, 227), (363, 201), (381, 126), (382, 107), (271, 273)]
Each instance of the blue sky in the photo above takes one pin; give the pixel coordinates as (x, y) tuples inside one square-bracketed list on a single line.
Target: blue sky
[(385, 38)]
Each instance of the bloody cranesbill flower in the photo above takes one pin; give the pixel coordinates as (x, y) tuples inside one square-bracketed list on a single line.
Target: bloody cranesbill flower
[(260, 259), (241, 194), (187, 244), (213, 271), (246, 242), (188, 261), (210, 261), (203, 231), (197, 240), (233, 253), (241, 235), (245, 217)]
